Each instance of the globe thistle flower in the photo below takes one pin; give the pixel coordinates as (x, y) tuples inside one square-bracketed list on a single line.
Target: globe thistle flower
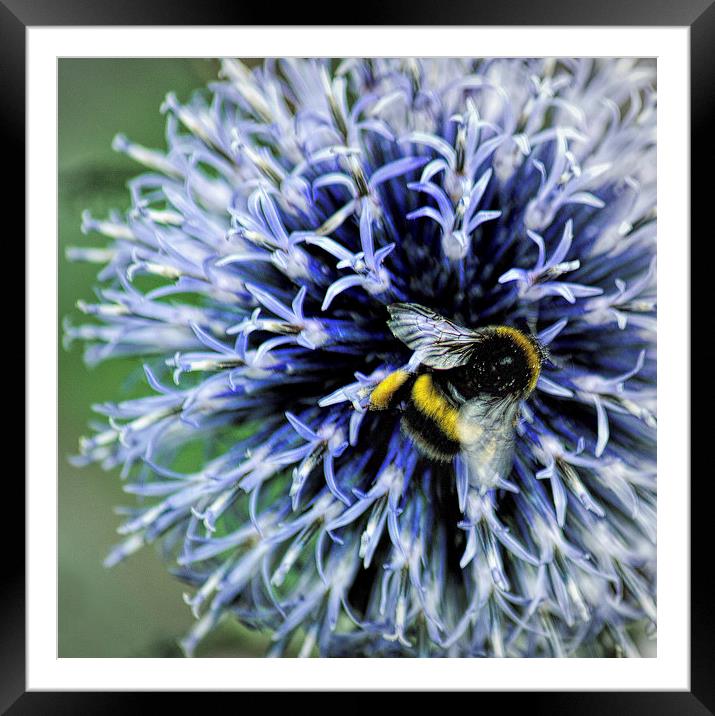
[(294, 204)]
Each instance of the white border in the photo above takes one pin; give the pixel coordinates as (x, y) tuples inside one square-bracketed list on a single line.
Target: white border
[(670, 670)]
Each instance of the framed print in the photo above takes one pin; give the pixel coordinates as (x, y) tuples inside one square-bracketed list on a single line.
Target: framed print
[(372, 346)]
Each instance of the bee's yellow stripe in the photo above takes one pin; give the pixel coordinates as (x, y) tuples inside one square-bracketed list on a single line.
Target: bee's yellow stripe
[(533, 358), (385, 390), (431, 402)]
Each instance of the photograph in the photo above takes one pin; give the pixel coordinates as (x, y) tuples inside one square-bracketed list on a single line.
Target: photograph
[(357, 357)]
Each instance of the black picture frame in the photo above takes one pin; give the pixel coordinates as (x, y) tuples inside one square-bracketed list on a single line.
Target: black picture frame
[(698, 15)]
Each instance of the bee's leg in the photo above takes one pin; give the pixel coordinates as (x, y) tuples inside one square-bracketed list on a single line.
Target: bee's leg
[(390, 391)]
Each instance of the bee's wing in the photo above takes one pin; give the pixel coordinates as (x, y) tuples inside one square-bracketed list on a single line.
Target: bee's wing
[(487, 434), (436, 341)]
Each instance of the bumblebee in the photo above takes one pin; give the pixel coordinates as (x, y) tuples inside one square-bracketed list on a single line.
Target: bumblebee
[(464, 395)]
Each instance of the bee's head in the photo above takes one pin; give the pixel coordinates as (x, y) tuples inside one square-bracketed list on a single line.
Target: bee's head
[(506, 363), (496, 361)]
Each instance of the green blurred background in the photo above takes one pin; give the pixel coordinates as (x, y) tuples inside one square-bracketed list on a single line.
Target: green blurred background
[(136, 608)]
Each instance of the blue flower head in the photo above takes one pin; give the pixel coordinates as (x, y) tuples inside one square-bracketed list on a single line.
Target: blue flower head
[(252, 275)]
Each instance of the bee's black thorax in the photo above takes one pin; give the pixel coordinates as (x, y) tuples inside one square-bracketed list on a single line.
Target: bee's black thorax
[(506, 363)]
